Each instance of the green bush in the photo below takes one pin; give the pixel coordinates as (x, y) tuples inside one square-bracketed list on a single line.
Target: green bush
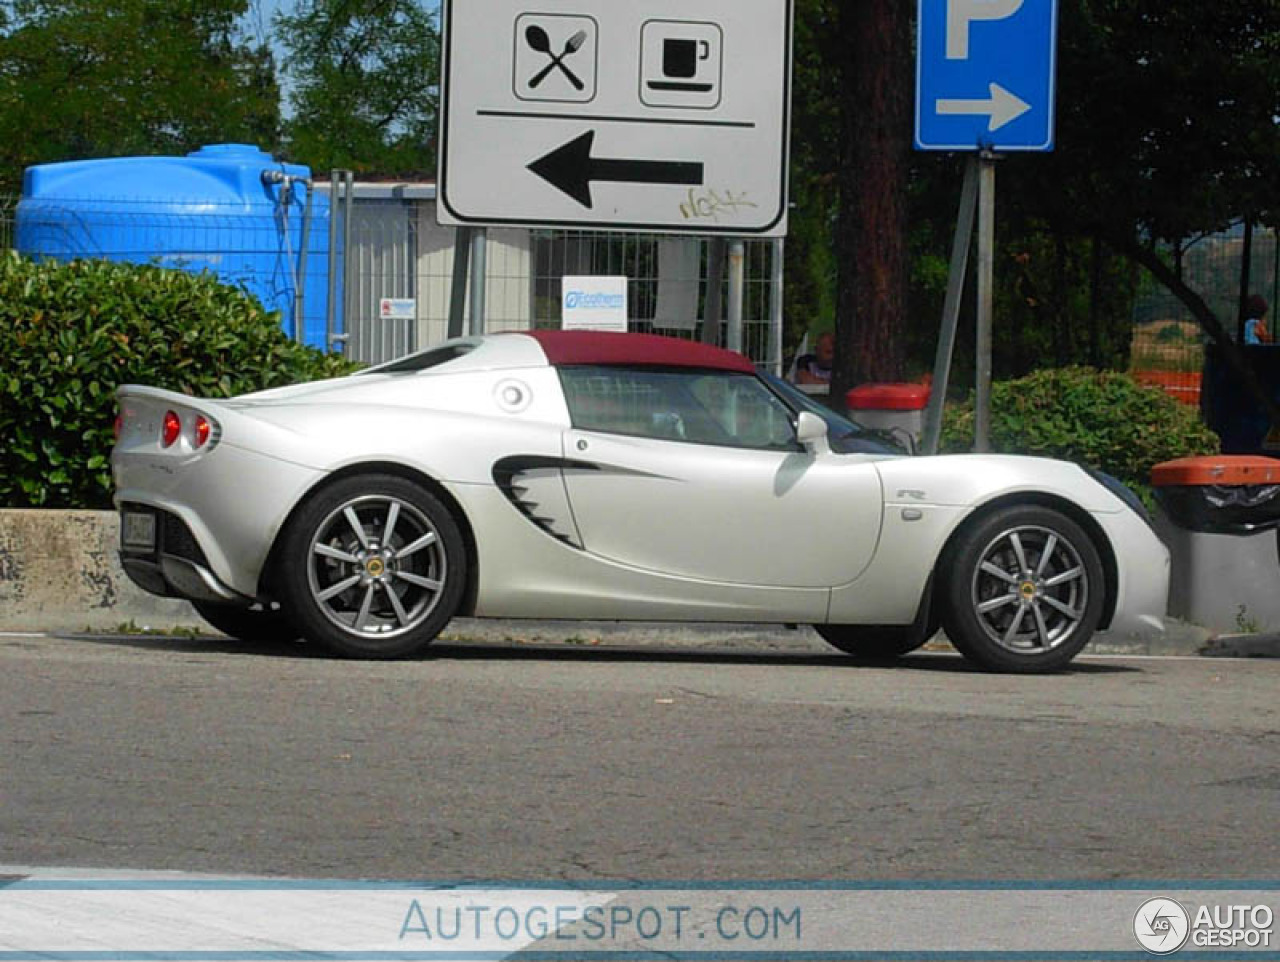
[(1100, 418), (70, 333)]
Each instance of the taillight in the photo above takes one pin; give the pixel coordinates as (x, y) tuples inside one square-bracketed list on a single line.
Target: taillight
[(203, 429), (172, 428), (118, 427)]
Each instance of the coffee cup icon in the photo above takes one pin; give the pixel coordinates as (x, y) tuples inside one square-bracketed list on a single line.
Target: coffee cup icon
[(681, 55), (681, 64)]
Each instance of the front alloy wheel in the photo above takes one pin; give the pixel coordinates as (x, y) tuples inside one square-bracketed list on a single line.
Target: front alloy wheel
[(1026, 590), (376, 567)]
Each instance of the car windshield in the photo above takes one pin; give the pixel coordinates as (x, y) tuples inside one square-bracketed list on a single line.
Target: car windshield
[(846, 436)]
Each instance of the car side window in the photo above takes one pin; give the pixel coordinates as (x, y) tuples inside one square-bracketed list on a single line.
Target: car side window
[(699, 407)]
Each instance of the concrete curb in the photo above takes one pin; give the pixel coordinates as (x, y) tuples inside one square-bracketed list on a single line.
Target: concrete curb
[(1243, 646), (59, 573)]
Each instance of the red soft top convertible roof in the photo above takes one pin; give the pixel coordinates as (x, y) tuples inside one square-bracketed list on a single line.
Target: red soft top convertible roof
[(604, 347)]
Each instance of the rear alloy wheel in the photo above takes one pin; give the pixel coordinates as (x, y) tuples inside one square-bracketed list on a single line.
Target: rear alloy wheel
[(373, 567), (255, 625), (1025, 590), (871, 642)]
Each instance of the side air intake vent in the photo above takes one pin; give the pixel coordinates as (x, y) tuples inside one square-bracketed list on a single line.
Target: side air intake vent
[(534, 486)]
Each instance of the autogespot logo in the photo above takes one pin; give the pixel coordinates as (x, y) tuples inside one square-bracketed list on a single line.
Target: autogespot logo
[(1161, 925)]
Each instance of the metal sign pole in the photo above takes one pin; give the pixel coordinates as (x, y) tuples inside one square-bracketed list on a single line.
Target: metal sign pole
[(713, 301), (331, 302), (458, 286), (951, 308), (350, 264), (479, 245), (776, 302), (737, 280), (986, 264)]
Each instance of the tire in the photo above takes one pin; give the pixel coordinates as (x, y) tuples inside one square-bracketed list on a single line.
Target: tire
[(871, 642), (255, 625), (1025, 590), (372, 567)]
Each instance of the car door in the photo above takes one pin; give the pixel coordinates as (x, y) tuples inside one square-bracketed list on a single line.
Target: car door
[(697, 474)]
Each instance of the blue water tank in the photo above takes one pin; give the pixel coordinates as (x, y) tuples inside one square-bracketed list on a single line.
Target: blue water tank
[(228, 208)]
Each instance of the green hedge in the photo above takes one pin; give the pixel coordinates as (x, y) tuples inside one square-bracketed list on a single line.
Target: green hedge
[(1100, 418), (70, 333)]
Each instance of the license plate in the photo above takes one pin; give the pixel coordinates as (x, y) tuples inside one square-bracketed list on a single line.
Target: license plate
[(138, 530)]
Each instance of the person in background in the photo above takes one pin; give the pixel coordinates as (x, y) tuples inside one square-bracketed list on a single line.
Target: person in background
[(1255, 323), (815, 368)]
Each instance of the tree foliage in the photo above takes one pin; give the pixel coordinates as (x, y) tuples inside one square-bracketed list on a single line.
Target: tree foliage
[(82, 79), (1165, 131), (71, 333), (1166, 121), (365, 77), (810, 271), (1099, 418)]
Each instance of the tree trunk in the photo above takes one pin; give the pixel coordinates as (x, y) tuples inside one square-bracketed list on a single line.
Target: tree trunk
[(1095, 303), (1063, 337), (871, 244)]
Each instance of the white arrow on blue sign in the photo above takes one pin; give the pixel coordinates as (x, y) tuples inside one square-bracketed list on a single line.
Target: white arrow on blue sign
[(985, 72)]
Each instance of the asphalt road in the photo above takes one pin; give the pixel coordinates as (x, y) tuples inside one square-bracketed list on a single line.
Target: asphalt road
[(536, 762)]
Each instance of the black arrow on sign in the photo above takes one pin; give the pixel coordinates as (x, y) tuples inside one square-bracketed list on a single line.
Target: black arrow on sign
[(571, 168)]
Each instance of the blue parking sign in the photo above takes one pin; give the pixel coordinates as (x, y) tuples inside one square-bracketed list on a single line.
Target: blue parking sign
[(985, 72)]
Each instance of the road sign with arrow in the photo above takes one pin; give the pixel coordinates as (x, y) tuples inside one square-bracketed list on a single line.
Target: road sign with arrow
[(669, 116), (985, 74), (572, 169)]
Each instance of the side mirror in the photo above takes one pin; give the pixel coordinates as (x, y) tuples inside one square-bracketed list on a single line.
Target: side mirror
[(811, 431)]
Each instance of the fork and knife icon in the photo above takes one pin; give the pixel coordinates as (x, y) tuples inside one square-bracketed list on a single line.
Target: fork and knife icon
[(536, 37)]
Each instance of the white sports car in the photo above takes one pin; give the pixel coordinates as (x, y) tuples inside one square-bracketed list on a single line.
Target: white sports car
[(581, 475)]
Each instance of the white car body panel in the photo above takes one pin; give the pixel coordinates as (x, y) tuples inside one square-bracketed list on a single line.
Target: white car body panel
[(235, 523), (452, 426), (967, 480), (574, 523), (890, 590), (524, 573), (762, 518)]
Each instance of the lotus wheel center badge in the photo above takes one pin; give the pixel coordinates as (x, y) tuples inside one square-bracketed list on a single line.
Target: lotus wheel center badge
[(1027, 590), (375, 568)]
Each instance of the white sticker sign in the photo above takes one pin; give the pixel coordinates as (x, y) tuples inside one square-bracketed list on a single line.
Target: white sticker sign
[(593, 303), (397, 308)]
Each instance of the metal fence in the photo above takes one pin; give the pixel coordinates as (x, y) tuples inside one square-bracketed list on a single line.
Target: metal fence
[(1167, 347), (394, 265), (380, 275), (397, 251), (394, 273), (277, 250), (667, 283)]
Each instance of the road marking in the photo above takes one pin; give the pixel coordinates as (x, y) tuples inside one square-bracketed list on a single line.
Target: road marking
[(76, 914)]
